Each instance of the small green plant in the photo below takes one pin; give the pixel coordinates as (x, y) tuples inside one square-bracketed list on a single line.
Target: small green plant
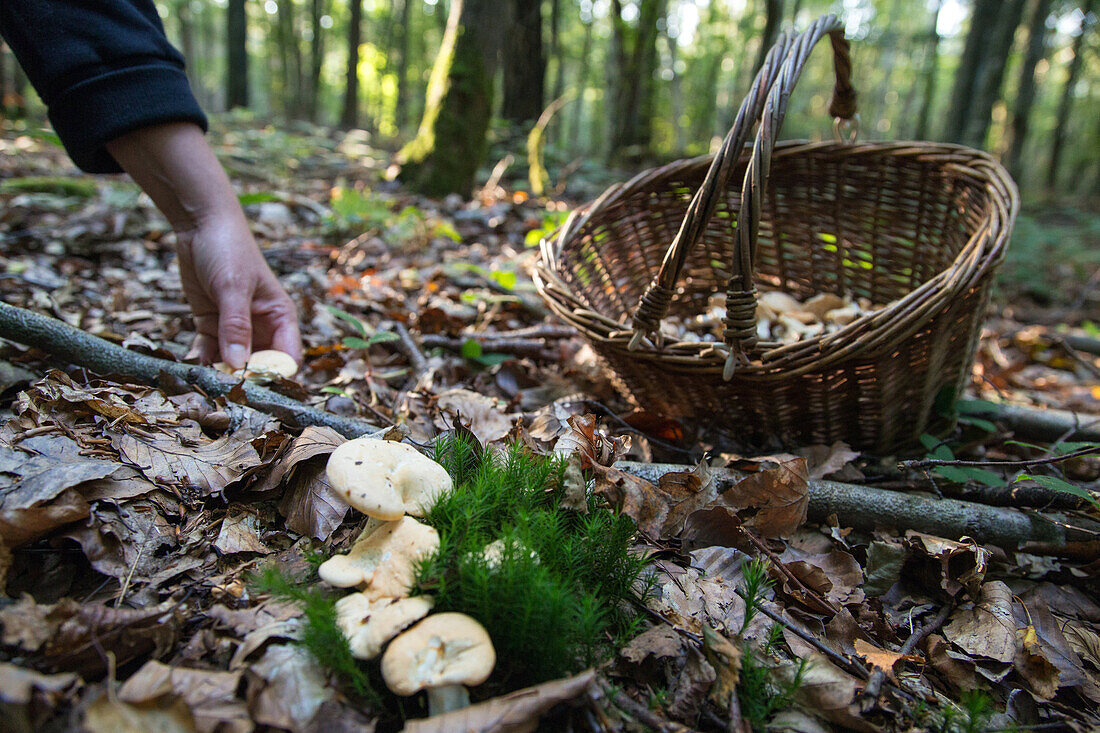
[(757, 584), (320, 634), (760, 690), (971, 715), (940, 451), (367, 336), (564, 588)]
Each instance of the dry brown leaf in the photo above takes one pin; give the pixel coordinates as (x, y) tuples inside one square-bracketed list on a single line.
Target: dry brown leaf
[(18, 685), (825, 460), (660, 510), (57, 390), (725, 657), (774, 501), (312, 443), (947, 565), (1033, 665), (485, 415), (286, 688), (691, 687), (166, 458), (955, 666), (689, 601), (240, 532), (129, 539), (575, 489), (583, 438), (987, 629), (884, 659), (658, 642), (211, 696), (517, 711), (830, 693), (166, 714)]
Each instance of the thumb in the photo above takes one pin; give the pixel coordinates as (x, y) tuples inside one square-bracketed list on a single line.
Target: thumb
[(235, 327)]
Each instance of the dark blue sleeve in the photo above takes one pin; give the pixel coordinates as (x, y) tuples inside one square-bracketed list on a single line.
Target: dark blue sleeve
[(103, 68)]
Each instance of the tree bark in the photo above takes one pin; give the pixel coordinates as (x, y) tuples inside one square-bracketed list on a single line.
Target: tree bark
[(349, 118), (990, 75), (1025, 89), (773, 10), (452, 141), (316, 60), (236, 32), (868, 509), (634, 86), (982, 19), (401, 42), (931, 71), (1065, 104), (580, 142), (524, 64)]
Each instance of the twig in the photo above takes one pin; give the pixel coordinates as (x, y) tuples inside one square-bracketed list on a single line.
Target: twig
[(780, 568), (77, 347), (874, 685), (412, 352), (837, 658), (640, 712), (925, 462)]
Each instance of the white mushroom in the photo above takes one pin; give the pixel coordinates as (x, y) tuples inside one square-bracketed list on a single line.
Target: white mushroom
[(266, 365), (385, 479), (495, 550), (271, 364), (843, 316), (779, 302), (383, 558), (822, 303), (369, 623), (441, 654)]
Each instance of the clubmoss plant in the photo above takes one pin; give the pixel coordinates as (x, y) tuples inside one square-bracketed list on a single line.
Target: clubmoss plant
[(564, 589), (760, 691)]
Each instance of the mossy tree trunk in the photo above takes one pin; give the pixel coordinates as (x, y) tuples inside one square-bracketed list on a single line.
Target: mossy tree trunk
[(452, 141), (524, 65)]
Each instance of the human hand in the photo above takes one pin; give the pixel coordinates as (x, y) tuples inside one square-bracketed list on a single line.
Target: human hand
[(237, 303)]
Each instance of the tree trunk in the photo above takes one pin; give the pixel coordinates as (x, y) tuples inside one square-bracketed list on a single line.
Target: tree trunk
[(772, 20), (634, 84), (931, 71), (524, 64), (982, 20), (579, 141), (350, 116), (401, 68), (990, 74), (236, 33), (185, 26), (290, 59), (677, 98), (556, 51), (1025, 91), (316, 60), (452, 141), (1065, 104)]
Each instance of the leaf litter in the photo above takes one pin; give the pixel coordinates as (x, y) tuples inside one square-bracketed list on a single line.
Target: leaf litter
[(131, 517)]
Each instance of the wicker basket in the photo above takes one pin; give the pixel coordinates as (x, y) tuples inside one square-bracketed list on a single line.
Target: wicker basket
[(920, 226)]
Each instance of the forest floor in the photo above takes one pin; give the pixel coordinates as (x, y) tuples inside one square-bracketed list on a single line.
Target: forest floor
[(132, 518)]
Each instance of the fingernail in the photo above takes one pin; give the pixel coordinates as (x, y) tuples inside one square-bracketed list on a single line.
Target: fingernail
[(236, 356)]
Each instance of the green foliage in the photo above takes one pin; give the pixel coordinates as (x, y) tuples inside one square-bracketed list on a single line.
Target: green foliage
[(320, 634), (1060, 484), (1050, 246), (940, 451), (367, 336), (972, 715), (565, 588), (551, 221)]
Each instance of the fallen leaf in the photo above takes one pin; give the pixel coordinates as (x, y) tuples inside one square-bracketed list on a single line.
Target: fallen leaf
[(1032, 664), (512, 713), (658, 642), (659, 509), (774, 501), (883, 658), (691, 687), (166, 714), (484, 414), (987, 629), (883, 568), (575, 489), (211, 696), (945, 565), (205, 467), (830, 693), (240, 532), (725, 658), (824, 460), (286, 687)]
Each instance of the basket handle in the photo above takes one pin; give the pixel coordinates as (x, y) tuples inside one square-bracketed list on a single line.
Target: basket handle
[(740, 327), (654, 302)]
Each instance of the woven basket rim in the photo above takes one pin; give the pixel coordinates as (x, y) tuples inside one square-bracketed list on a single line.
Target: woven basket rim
[(866, 337)]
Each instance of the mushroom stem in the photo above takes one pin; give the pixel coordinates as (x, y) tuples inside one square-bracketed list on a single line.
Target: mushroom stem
[(447, 698)]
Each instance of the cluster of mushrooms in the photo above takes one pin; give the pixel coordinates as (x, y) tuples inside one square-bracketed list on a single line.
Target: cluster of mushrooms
[(392, 483), (779, 317)]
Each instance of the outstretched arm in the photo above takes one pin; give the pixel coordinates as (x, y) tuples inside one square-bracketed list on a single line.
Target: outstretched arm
[(237, 302)]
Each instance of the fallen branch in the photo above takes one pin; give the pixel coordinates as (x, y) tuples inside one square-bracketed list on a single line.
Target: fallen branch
[(1038, 423), (79, 348), (874, 685), (867, 509)]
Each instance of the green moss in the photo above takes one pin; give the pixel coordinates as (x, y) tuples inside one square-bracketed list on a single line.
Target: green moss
[(60, 185), (564, 592)]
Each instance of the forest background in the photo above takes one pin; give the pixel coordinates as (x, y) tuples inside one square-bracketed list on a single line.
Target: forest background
[(647, 81)]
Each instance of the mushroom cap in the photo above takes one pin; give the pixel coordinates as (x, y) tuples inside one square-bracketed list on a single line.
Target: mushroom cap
[(385, 479), (271, 362), (383, 557), (443, 649), (369, 623)]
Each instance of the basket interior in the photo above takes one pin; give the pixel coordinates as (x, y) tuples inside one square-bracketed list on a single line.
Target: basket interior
[(863, 221)]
